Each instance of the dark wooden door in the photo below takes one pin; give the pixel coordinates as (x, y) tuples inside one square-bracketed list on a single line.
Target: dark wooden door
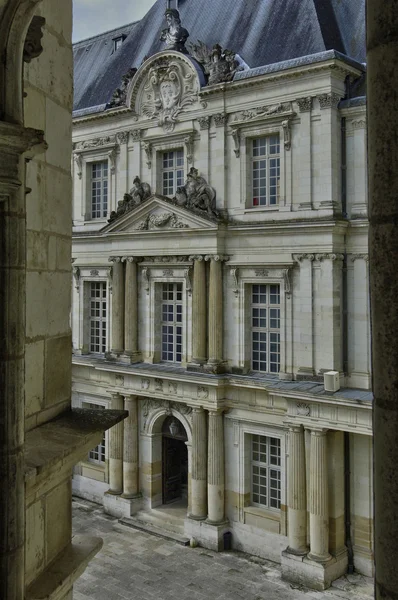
[(171, 469)]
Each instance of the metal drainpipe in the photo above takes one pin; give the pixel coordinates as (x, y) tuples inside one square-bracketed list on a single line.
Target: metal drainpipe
[(347, 503)]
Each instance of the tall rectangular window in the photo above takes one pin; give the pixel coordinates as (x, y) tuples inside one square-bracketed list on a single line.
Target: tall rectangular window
[(97, 454), (265, 171), (266, 471), (172, 171), (99, 190), (265, 324), (98, 316), (172, 322)]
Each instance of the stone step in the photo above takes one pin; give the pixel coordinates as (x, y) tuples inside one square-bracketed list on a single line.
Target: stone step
[(154, 530)]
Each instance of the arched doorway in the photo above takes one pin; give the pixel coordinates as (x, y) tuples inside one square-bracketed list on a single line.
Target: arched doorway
[(174, 461)]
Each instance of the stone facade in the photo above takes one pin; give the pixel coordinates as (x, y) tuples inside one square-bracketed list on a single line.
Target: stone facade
[(310, 245)]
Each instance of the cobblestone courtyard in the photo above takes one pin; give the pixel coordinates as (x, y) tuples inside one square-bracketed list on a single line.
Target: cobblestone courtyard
[(135, 565)]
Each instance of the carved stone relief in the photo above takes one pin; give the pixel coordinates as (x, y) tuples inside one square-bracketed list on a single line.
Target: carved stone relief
[(119, 96), (150, 405), (107, 140), (197, 194), (32, 46), (157, 221), (204, 122), (138, 193), (264, 111), (329, 100), (219, 65), (171, 87)]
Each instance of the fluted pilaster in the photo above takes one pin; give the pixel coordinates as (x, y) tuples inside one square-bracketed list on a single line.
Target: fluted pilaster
[(117, 335), (297, 500), (199, 311), (215, 468), (131, 308), (318, 501), (215, 310), (199, 464), (130, 448), (116, 450)]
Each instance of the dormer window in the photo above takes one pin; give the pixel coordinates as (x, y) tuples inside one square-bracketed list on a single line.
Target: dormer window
[(118, 41)]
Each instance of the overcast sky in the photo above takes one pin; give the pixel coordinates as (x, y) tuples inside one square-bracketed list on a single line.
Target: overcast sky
[(95, 16)]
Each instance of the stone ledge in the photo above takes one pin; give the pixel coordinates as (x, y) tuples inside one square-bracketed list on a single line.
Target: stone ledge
[(66, 440), (60, 575)]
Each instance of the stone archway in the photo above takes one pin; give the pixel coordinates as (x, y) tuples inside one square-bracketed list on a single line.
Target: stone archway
[(152, 452)]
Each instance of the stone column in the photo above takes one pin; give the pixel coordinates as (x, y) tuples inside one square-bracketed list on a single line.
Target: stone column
[(297, 502), (215, 468), (215, 312), (130, 449), (199, 465), (131, 310), (319, 511), (117, 335), (199, 311), (382, 109), (116, 450)]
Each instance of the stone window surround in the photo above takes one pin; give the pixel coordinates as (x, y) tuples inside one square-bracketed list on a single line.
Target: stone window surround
[(156, 278), (246, 277), (87, 157), (158, 144), (83, 330), (82, 400), (243, 437), (247, 133)]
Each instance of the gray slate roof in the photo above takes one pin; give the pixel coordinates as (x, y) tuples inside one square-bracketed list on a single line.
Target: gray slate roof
[(262, 32)]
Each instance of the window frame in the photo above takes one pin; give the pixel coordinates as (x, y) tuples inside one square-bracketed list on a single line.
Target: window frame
[(266, 329), (177, 180), (265, 171), (176, 324), (247, 133), (102, 180), (102, 444), (268, 467), (103, 335)]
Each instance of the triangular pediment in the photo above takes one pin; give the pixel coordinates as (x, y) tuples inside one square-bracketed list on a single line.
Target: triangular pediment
[(159, 213)]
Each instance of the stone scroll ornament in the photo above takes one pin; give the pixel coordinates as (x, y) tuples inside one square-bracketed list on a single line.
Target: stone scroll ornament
[(197, 195), (138, 194), (119, 96), (219, 65), (170, 88)]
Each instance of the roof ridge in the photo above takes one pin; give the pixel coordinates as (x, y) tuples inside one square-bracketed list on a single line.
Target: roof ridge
[(98, 35)]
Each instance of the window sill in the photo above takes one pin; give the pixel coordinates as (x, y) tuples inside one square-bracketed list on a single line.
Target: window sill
[(255, 209), (91, 465), (265, 513)]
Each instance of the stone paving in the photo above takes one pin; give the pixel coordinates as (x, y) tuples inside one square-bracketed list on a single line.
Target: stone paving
[(134, 565)]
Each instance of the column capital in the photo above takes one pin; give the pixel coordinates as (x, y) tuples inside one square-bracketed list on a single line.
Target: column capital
[(130, 259), (115, 259), (217, 257), (328, 256), (198, 257), (318, 431), (299, 258), (294, 427), (115, 395), (130, 396)]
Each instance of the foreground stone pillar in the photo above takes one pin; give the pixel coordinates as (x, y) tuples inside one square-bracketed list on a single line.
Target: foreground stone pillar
[(117, 334), (319, 513), (215, 468), (199, 465), (382, 40), (199, 312), (131, 310), (116, 450), (215, 312), (130, 451), (297, 502), (14, 140)]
